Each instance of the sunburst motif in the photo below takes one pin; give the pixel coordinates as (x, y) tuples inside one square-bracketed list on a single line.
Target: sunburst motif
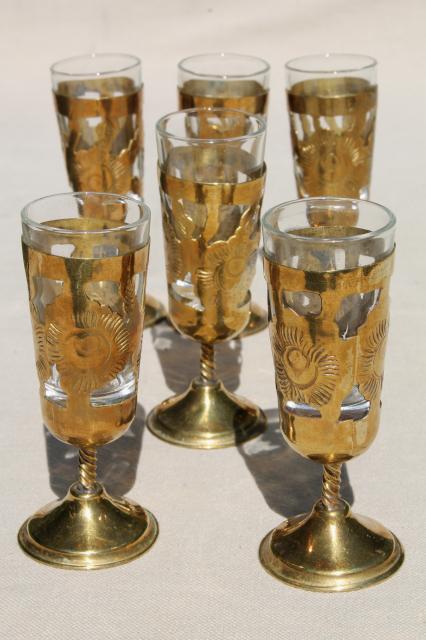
[(372, 361), (91, 354), (229, 263), (333, 163), (305, 372)]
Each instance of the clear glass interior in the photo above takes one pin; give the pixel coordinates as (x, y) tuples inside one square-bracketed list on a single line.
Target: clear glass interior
[(211, 145), (224, 66), (328, 234), (97, 66), (85, 225), (327, 65)]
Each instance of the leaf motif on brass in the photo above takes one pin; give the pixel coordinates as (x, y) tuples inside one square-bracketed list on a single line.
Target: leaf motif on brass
[(130, 299), (97, 169), (174, 262), (90, 354), (305, 372), (372, 360), (42, 363)]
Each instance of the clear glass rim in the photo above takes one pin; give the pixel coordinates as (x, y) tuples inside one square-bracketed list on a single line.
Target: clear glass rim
[(223, 54), (321, 240), (119, 199), (370, 62), (160, 126), (134, 61)]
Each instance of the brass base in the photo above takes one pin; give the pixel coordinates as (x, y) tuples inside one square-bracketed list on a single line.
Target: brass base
[(154, 311), (88, 531), (258, 320), (331, 551), (206, 416)]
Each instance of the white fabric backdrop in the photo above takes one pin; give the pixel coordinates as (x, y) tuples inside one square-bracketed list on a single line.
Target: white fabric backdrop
[(202, 579)]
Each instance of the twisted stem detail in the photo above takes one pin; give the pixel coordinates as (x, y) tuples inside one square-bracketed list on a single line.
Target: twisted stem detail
[(207, 364), (330, 498), (87, 464)]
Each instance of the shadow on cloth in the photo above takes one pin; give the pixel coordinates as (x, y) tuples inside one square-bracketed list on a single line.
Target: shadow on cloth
[(289, 483), (117, 461), (180, 358)]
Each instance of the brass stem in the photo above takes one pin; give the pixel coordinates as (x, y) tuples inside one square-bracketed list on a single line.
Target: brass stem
[(330, 498), (87, 463), (207, 364)]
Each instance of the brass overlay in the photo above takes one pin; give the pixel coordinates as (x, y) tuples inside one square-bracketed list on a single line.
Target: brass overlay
[(102, 140), (87, 315), (332, 124), (102, 137), (318, 362), (211, 236), (328, 334), (245, 95), (88, 334)]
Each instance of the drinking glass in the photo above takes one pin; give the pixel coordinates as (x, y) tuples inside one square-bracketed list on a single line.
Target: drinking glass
[(328, 263), (86, 276), (98, 100), (332, 100), (212, 175), (231, 81)]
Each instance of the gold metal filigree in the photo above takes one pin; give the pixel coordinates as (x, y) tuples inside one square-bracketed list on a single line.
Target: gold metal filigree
[(329, 380), (229, 268), (211, 197), (245, 95), (337, 318), (91, 354), (332, 131), (87, 321), (107, 155), (91, 333), (305, 372), (211, 236), (372, 361), (40, 348), (337, 162)]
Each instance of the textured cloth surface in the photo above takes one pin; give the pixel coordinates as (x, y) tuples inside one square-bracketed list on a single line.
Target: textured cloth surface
[(202, 579)]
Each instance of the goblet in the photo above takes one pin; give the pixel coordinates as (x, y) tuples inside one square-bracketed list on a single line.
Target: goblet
[(328, 263), (211, 175), (231, 81), (332, 102), (98, 100), (86, 278)]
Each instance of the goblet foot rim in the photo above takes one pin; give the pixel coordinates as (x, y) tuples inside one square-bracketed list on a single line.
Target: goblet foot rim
[(258, 321), (86, 532), (331, 551), (206, 417), (154, 311)]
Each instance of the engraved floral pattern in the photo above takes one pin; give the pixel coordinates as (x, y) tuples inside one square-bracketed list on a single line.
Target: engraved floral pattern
[(372, 361), (91, 354), (229, 264), (333, 163), (42, 364), (97, 169), (211, 233), (305, 372)]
